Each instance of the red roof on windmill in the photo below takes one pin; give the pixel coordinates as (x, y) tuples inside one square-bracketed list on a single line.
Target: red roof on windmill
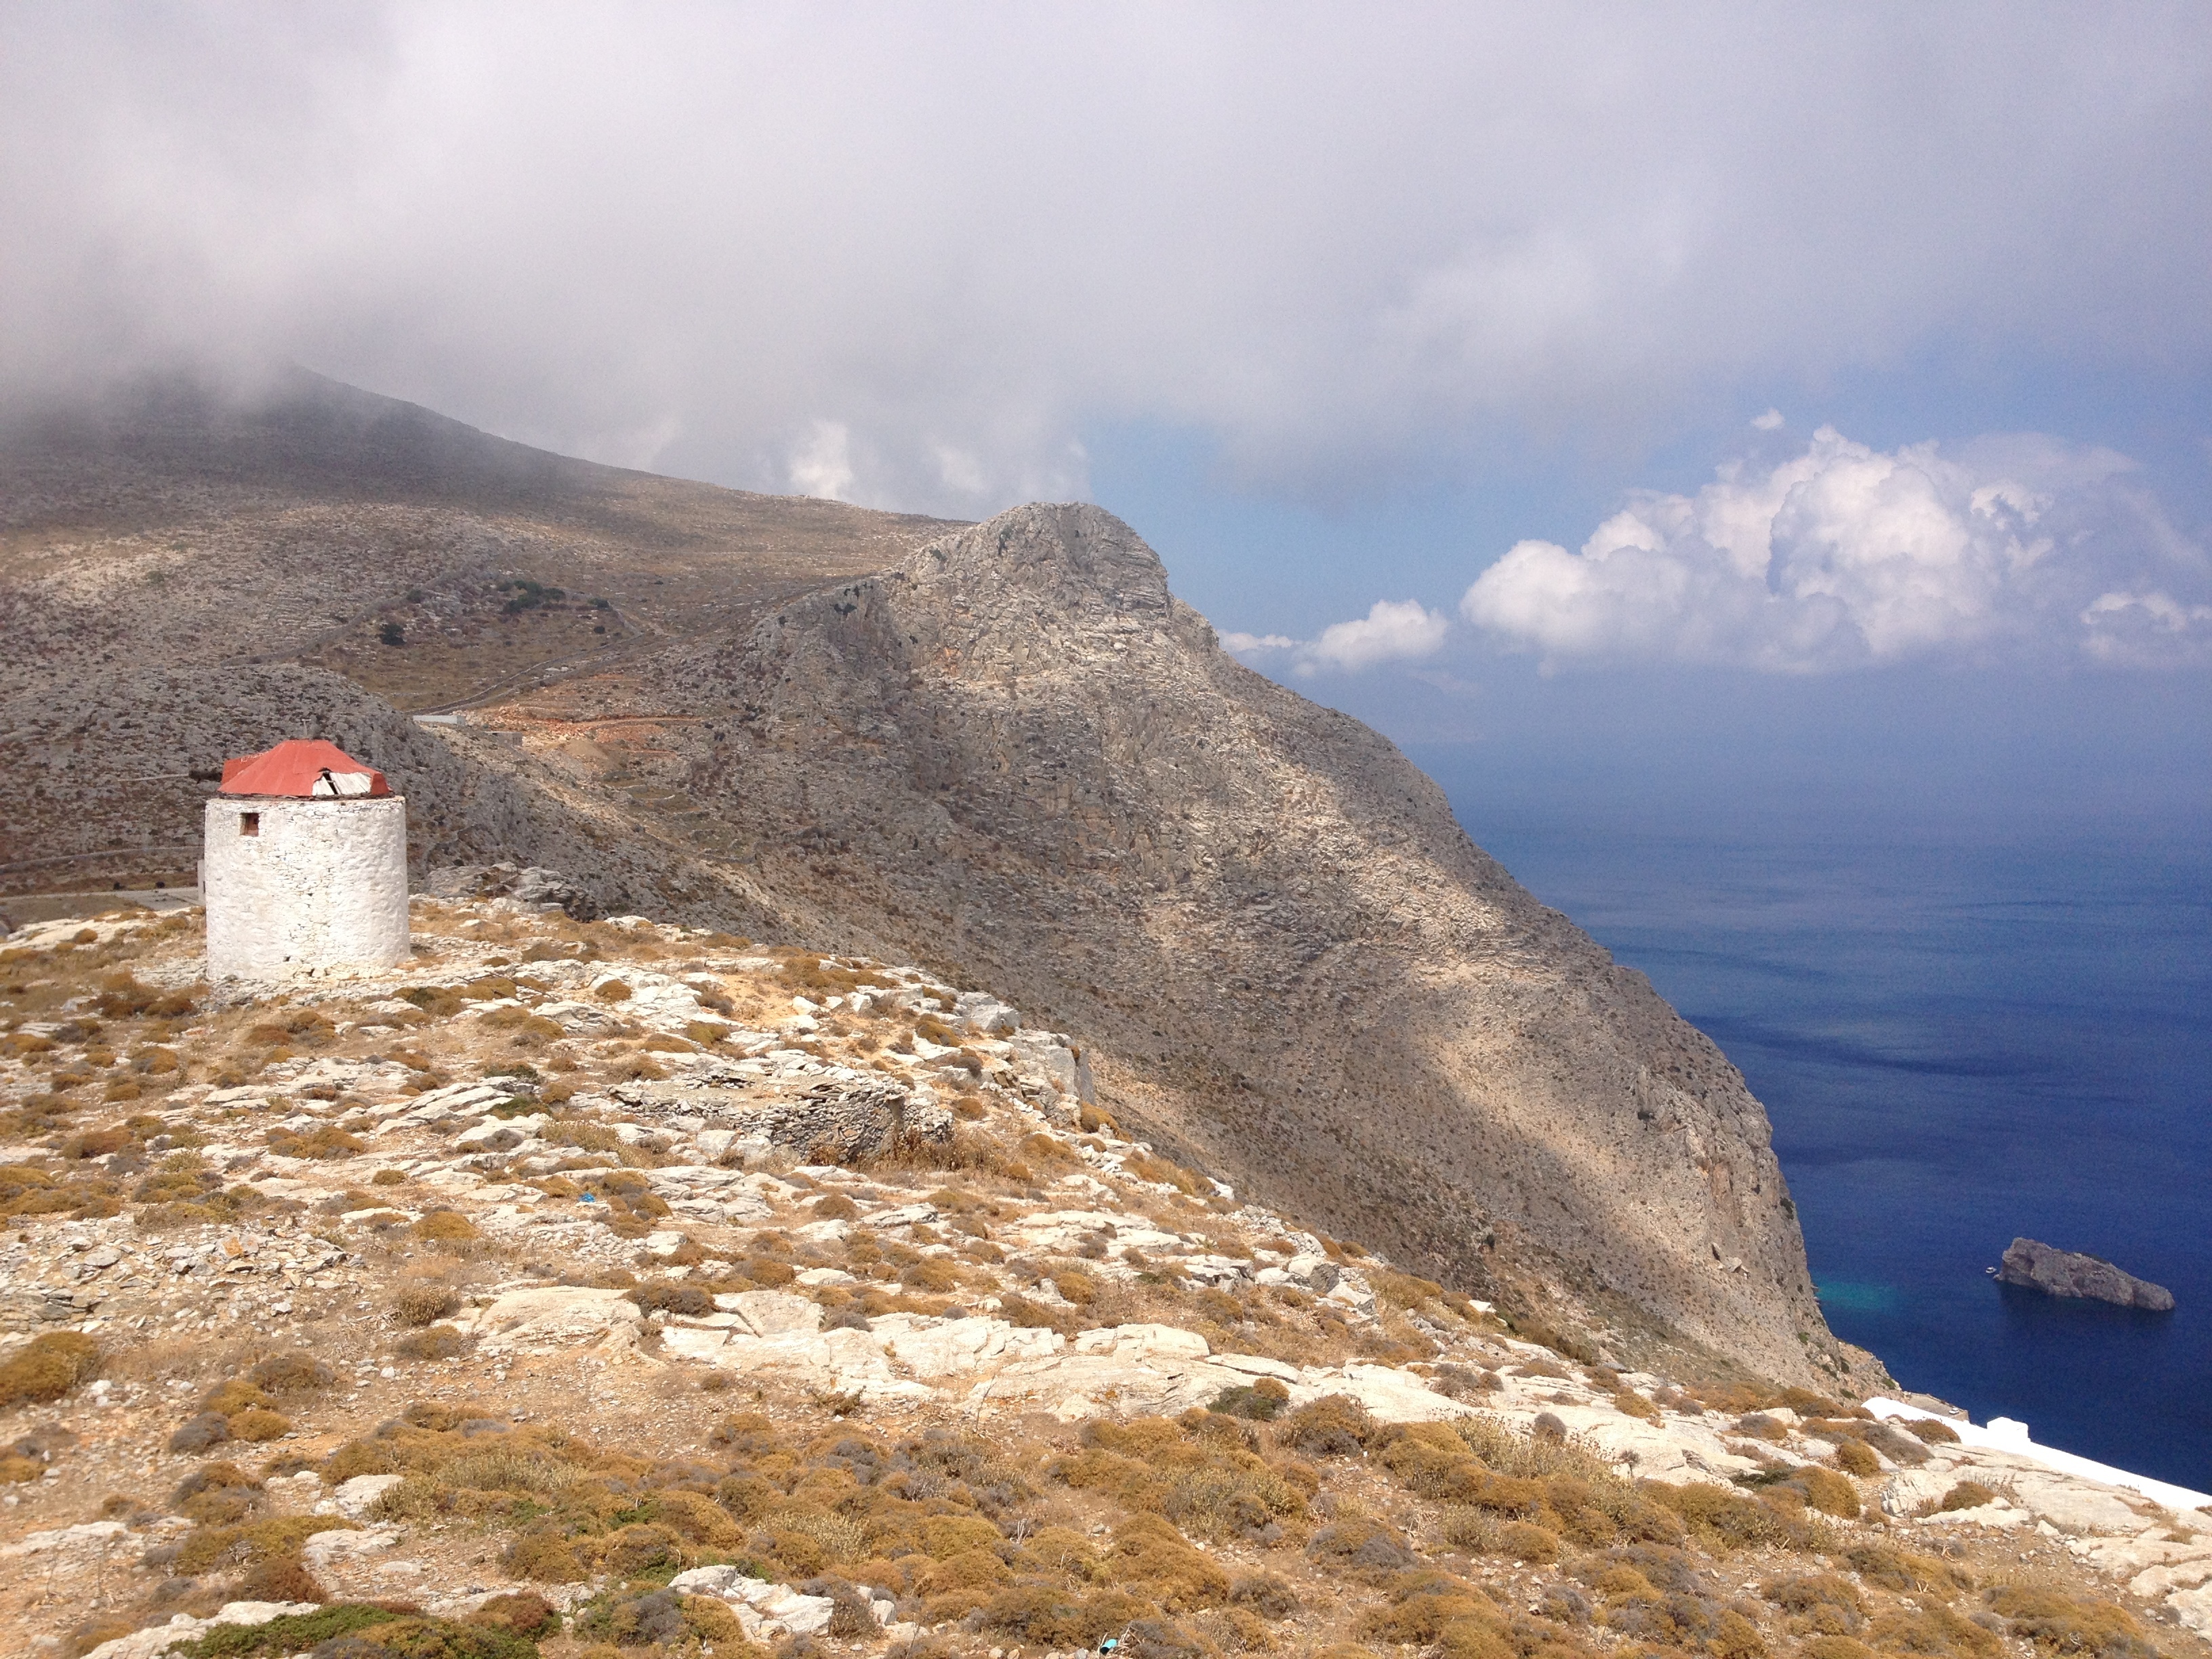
[(302, 766)]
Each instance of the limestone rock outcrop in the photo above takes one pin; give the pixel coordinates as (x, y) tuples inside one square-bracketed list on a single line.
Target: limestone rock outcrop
[(2036, 1265), (533, 886), (834, 1120)]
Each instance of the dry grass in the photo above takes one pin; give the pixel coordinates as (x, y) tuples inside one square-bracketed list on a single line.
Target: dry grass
[(1964, 1495), (422, 1301), (47, 1368), (1856, 1457), (446, 1227), (188, 1358), (437, 1342), (1038, 1537), (2055, 1624)]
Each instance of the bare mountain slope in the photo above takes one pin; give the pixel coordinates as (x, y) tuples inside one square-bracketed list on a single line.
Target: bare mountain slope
[(1019, 753), (177, 526), (183, 573), (1009, 753)]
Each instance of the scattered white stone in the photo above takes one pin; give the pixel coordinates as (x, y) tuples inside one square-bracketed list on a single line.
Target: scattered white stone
[(763, 1608), (328, 1549), (980, 1013), (89, 1534), (1144, 1342), (355, 1498), (159, 1639), (773, 1313), (557, 1316)]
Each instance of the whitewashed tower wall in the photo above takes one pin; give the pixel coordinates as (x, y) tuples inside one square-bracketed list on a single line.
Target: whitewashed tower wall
[(319, 886)]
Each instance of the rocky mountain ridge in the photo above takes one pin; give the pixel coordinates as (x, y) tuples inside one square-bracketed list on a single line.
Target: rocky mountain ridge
[(1006, 751), (1020, 736)]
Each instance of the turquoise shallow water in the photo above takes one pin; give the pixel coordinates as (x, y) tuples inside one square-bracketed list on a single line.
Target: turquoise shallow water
[(1959, 1039)]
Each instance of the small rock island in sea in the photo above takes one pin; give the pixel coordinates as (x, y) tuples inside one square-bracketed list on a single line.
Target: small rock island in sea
[(2037, 1266)]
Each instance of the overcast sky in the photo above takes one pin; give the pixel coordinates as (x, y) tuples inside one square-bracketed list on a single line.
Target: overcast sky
[(1451, 355)]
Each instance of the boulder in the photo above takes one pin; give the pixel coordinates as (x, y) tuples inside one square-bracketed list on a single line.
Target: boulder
[(844, 1117), (773, 1313), (935, 1349), (1061, 1232), (1215, 1270), (183, 1627), (1394, 1396), (1353, 1293), (578, 1016), (1143, 1342), (706, 1581), (355, 1498), (844, 1360), (980, 1011), (904, 1215), (541, 886), (1049, 1055), (2036, 1265), (340, 1546), (95, 1535), (500, 1135), (1910, 1491), (783, 1611), (2194, 1609), (840, 1121), (535, 887), (441, 1108), (1313, 1270), (558, 1316), (2073, 1505), (705, 1193), (694, 1339)]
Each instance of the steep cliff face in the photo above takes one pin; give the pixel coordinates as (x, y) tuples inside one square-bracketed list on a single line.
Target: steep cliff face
[(1018, 751)]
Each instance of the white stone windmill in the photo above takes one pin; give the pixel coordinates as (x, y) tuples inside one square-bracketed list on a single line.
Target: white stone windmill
[(304, 866)]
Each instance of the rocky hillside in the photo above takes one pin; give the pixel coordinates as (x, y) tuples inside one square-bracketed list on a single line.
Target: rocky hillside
[(1008, 753), (630, 1289), (1017, 746), (173, 525)]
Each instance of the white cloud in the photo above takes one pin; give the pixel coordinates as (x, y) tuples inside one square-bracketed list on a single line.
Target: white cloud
[(1392, 630), (2146, 630), (1336, 242), (1848, 555), (1770, 421), (822, 463)]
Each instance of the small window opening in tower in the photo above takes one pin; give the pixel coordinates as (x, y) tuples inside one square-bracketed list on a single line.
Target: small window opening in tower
[(249, 823)]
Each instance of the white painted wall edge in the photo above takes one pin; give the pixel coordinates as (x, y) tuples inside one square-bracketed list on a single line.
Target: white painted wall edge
[(2007, 1434)]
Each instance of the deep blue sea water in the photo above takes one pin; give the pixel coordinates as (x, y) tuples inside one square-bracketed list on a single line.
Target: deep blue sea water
[(1961, 1037)]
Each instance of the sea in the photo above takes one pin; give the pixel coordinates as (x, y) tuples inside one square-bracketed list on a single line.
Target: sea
[(1963, 1034)]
